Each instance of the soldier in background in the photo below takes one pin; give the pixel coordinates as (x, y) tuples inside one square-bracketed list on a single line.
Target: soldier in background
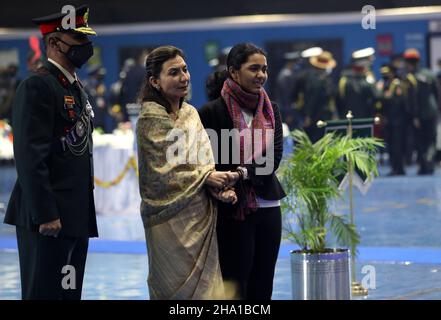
[(8, 85), (215, 80), (319, 93), (114, 97), (35, 58), (131, 85), (303, 69), (423, 101), (395, 114), (285, 89), (356, 88), (97, 92), (397, 62)]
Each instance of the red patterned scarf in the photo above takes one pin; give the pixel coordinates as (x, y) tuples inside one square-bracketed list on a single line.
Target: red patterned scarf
[(237, 99)]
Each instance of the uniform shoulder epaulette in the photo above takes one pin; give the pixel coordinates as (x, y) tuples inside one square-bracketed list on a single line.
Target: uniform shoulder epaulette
[(342, 86), (395, 88), (42, 71), (412, 79), (370, 77)]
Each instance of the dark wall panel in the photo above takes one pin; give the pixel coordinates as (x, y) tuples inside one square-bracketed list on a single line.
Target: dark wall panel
[(18, 13)]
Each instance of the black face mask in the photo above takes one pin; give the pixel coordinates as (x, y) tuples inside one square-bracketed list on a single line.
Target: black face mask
[(78, 54)]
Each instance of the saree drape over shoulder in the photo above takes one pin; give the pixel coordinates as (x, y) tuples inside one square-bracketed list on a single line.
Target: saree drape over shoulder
[(179, 217)]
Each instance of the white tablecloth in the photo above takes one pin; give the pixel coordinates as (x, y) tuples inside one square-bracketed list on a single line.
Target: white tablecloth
[(6, 149), (111, 153)]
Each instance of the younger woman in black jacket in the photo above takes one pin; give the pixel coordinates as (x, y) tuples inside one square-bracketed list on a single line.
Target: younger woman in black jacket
[(249, 232)]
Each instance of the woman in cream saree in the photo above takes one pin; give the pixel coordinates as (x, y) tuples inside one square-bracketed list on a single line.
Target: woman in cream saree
[(175, 168)]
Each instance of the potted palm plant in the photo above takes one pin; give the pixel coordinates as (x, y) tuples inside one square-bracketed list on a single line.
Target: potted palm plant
[(311, 178)]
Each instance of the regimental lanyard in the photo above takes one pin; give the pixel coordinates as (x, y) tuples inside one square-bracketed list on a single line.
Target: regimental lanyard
[(78, 137), (89, 111)]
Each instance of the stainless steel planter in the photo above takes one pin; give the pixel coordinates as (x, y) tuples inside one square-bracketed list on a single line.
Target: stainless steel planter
[(321, 276)]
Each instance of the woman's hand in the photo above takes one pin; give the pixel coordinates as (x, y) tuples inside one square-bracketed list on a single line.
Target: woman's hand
[(227, 195), (217, 179), (233, 177)]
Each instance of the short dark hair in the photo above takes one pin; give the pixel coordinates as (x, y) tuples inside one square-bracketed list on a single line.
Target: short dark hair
[(153, 67), (49, 36)]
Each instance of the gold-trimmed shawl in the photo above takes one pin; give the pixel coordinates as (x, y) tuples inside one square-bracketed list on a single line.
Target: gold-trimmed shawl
[(179, 217), (167, 187)]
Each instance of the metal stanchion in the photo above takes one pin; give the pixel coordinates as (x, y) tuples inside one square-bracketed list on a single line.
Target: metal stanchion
[(356, 288)]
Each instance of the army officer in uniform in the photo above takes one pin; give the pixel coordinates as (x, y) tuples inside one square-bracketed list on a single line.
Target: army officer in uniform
[(52, 203)]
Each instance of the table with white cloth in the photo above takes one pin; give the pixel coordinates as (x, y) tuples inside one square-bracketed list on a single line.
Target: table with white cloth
[(111, 154), (6, 148)]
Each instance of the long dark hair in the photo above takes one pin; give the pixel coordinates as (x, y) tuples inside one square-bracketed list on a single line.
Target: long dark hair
[(237, 56), (153, 67)]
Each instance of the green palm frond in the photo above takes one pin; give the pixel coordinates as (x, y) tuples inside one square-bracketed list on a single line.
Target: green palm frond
[(310, 177), (344, 231)]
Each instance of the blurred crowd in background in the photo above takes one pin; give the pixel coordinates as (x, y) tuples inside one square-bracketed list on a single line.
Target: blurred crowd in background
[(406, 97)]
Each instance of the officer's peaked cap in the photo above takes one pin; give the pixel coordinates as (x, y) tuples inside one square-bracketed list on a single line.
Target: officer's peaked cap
[(54, 22)]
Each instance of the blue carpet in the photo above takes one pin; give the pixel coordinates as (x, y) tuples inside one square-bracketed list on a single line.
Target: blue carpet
[(385, 254)]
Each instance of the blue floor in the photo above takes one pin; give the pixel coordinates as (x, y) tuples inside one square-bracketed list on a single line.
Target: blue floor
[(399, 220)]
